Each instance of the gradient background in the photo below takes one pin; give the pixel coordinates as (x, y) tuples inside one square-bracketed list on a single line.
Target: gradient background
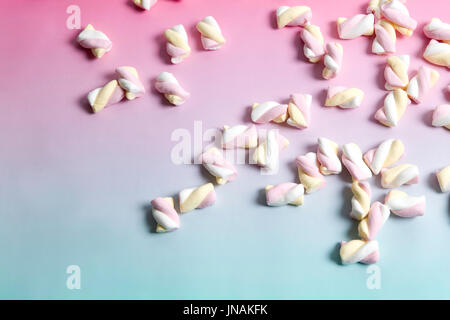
[(75, 187)]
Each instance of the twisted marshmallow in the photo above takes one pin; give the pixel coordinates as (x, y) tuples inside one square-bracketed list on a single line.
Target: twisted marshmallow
[(360, 200), (269, 111), (145, 4), (293, 16), (197, 198), (266, 154), (309, 173), (129, 81), (405, 206), (218, 166), (385, 155), (239, 136), (95, 40), (396, 72), (443, 177), (343, 97), (438, 53), (397, 13), (332, 60), (352, 158), (177, 45), (167, 84), (327, 156), (394, 107), (299, 110), (355, 251), (421, 83), (356, 26), (313, 40), (441, 116), (438, 30), (284, 193), (109, 94), (164, 213), (399, 175), (369, 227), (385, 38), (211, 34)]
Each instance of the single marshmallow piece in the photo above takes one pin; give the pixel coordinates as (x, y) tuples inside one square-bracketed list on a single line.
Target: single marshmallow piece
[(385, 155), (421, 83), (266, 154), (399, 175), (293, 16), (385, 38), (396, 72), (394, 107), (343, 97), (438, 30), (313, 40), (269, 111), (397, 13), (167, 84), (177, 43), (285, 193), (327, 156), (129, 81), (240, 136), (299, 110), (145, 4), (215, 163), (443, 177), (355, 251), (352, 159), (441, 116), (405, 206), (197, 198), (369, 227), (164, 213), (95, 40), (438, 53), (356, 26), (309, 173), (109, 94), (332, 60), (212, 38), (360, 200)]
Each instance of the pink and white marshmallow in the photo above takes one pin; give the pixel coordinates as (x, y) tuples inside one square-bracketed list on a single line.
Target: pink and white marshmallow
[(385, 38), (313, 43), (177, 43), (267, 153), (129, 81), (441, 116), (438, 53), (356, 26), (293, 16), (299, 110), (239, 136), (355, 251), (397, 13), (168, 85), (421, 83), (269, 111), (394, 107), (369, 227), (342, 97), (285, 193), (332, 60), (438, 30), (102, 97), (405, 206), (95, 40), (145, 4), (396, 72), (399, 175), (216, 164), (352, 159), (361, 199), (164, 213), (385, 155), (308, 172), (211, 34), (327, 156), (197, 198)]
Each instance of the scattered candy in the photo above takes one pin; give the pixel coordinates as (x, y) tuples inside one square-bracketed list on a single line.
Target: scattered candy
[(145, 4), (332, 60), (369, 227), (177, 45), (266, 154), (393, 109), (309, 173), (109, 94), (284, 194), (399, 175), (438, 30), (327, 156), (355, 251), (385, 155), (438, 53), (405, 206), (129, 81), (352, 159), (396, 72), (360, 200), (385, 38), (441, 116), (356, 26), (344, 97), (443, 177), (397, 13), (164, 213), (293, 16), (197, 198), (212, 38), (240, 136), (269, 111), (421, 83), (95, 40), (214, 162), (167, 84), (299, 110), (313, 40)]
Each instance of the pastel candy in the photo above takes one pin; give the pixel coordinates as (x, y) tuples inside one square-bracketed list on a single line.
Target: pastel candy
[(443, 177), (352, 159), (405, 206), (360, 200), (109, 94), (211, 34), (397, 13), (95, 40), (145, 4), (269, 111), (129, 81), (167, 84), (313, 43), (355, 251), (385, 155), (239, 136), (327, 156), (441, 116), (438, 30), (309, 173), (396, 72), (197, 198), (267, 153), (332, 60), (215, 163), (293, 16), (356, 26), (344, 97), (394, 107), (369, 227), (284, 193), (177, 46), (164, 213), (385, 38), (421, 83), (299, 110), (399, 175), (438, 53)]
